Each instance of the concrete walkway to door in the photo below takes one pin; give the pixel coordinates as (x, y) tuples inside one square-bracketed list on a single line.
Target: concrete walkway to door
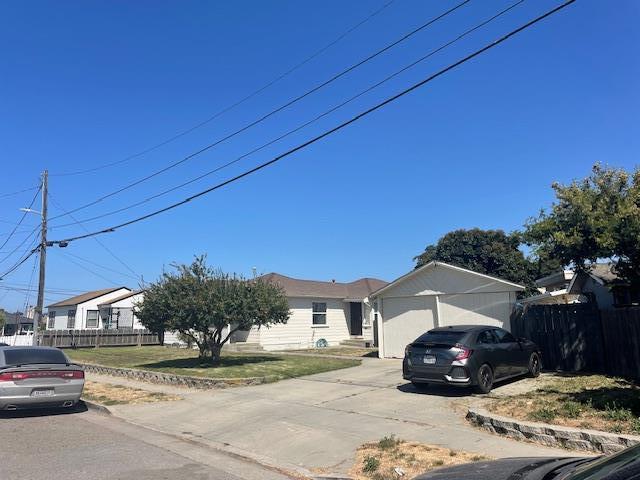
[(319, 421)]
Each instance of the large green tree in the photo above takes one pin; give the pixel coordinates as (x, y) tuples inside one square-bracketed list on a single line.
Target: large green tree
[(594, 218), (208, 306), (492, 252)]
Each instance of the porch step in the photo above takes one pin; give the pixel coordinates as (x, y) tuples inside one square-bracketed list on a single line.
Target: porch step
[(242, 347), (357, 342)]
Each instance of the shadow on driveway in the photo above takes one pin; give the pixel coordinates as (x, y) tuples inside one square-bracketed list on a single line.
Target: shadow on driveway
[(436, 390), (44, 412)]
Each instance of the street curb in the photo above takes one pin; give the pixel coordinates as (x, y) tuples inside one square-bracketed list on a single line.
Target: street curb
[(288, 469), (174, 379), (551, 435), (96, 407)]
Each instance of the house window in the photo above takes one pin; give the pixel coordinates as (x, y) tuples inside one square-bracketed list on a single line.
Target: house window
[(51, 320), (319, 310), (92, 318), (71, 319)]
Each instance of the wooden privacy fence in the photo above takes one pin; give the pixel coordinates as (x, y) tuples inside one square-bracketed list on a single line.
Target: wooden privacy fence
[(580, 338), (97, 338)]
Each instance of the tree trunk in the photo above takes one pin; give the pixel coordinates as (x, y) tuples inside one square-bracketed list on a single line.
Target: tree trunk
[(216, 349)]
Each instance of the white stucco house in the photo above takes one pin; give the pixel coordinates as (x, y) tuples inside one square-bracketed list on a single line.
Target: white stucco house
[(110, 308), (435, 295), (330, 312)]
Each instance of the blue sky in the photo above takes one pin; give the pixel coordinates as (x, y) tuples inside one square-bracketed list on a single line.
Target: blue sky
[(83, 84)]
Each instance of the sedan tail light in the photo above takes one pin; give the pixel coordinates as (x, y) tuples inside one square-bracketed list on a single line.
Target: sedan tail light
[(462, 353), (65, 374)]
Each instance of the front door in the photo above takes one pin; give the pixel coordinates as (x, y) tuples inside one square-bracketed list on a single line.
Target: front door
[(356, 318)]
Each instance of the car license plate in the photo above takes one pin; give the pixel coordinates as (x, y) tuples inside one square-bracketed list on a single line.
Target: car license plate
[(429, 359), (42, 393)]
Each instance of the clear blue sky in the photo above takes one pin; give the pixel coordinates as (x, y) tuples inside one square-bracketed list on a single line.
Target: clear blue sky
[(88, 83)]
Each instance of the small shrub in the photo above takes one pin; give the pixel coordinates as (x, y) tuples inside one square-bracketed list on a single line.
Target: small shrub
[(477, 458), (388, 443), (452, 453), (613, 412), (543, 414), (371, 464), (437, 463), (571, 409)]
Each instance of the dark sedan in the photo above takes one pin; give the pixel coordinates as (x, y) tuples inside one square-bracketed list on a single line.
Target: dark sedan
[(469, 355), (624, 465)]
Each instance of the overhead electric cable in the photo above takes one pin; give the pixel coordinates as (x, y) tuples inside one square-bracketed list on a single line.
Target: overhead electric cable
[(340, 126), (24, 215), (267, 115), (237, 103), (298, 128)]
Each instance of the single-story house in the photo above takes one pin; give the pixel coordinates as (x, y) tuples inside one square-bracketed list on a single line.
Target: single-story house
[(16, 323), (435, 295), (321, 312), (84, 312), (118, 313), (600, 285)]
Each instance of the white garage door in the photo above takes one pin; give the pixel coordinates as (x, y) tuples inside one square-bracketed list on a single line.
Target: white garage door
[(404, 320), (475, 309)]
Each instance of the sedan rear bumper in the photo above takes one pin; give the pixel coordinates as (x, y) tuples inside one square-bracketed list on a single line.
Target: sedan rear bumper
[(15, 397), (440, 374)]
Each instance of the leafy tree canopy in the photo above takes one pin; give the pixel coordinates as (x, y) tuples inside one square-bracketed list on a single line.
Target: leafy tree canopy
[(208, 306), (492, 252), (594, 218)]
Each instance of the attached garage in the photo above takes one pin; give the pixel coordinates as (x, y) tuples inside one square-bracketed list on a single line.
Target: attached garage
[(437, 295)]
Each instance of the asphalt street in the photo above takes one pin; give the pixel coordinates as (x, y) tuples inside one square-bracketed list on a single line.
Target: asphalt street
[(87, 445)]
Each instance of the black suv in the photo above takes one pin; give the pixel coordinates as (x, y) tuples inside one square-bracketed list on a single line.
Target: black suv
[(469, 355)]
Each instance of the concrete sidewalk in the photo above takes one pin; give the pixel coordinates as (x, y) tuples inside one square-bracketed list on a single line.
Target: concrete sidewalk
[(317, 422)]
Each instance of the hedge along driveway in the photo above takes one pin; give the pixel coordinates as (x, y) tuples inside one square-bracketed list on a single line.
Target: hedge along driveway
[(233, 365)]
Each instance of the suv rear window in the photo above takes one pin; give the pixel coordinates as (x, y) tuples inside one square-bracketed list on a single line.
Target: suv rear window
[(24, 356), (446, 337)]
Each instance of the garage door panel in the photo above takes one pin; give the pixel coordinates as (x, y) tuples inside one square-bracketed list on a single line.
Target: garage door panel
[(404, 320), (475, 309)]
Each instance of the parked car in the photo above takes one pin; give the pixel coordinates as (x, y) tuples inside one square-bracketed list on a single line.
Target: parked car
[(4, 344), (32, 377), (624, 465), (469, 355)]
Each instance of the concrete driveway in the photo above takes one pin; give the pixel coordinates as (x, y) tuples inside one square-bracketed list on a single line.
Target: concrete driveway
[(317, 422)]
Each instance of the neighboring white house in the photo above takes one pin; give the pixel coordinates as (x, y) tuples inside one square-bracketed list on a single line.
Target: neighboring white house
[(329, 311), (119, 312), (435, 295), (83, 312)]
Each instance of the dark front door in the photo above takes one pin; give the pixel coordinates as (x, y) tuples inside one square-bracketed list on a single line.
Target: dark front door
[(356, 318)]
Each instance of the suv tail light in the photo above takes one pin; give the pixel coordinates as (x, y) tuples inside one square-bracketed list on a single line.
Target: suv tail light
[(65, 374), (462, 352)]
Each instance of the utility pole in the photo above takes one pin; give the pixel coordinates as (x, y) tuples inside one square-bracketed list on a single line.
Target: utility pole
[(37, 317)]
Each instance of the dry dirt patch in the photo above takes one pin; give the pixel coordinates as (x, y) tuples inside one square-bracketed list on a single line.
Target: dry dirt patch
[(593, 402), (392, 458), (108, 394)]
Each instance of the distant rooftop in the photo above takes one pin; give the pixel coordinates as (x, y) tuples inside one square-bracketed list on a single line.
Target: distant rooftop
[(356, 290), (85, 297)]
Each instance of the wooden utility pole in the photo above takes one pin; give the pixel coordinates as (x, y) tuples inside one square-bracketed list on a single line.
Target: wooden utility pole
[(37, 317)]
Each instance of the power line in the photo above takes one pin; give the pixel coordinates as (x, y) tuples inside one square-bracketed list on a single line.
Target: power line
[(5, 195), (24, 215), (30, 289), (20, 262), (237, 103), (88, 269), (107, 249), (270, 114), (25, 240), (327, 132), (304, 125), (137, 278)]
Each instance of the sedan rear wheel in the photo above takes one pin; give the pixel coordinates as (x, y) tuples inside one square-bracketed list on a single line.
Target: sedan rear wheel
[(534, 365), (485, 379)]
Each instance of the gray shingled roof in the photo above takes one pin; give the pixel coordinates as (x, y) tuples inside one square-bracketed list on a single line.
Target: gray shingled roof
[(85, 297), (295, 287)]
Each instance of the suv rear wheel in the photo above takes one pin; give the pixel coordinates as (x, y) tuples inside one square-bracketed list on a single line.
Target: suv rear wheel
[(484, 379)]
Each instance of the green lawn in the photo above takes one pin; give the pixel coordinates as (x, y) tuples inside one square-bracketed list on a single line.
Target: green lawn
[(341, 351), (233, 365)]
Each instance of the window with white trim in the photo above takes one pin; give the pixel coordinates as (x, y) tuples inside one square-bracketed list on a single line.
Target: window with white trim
[(71, 319), (51, 319), (92, 318), (319, 313)]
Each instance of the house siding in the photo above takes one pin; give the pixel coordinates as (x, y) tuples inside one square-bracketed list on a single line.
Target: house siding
[(299, 331), (81, 311), (130, 302)]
